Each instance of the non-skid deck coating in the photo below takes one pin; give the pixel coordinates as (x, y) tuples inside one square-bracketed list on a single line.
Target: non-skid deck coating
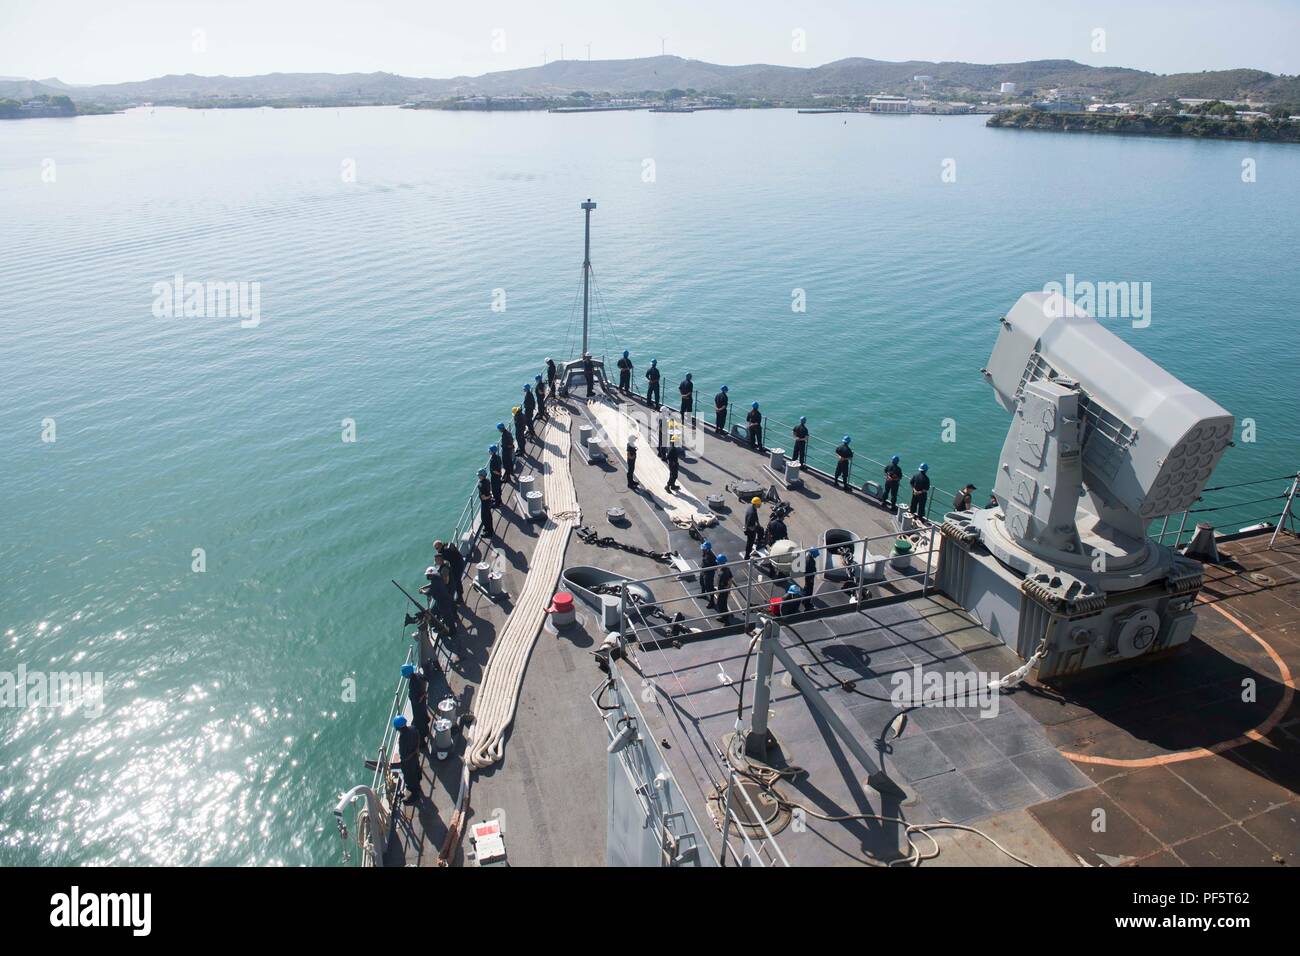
[(1134, 788)]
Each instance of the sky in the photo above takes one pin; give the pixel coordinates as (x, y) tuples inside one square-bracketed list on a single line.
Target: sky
[(106, 41)]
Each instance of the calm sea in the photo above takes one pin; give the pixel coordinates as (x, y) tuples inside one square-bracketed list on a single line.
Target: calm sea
[(380, 240)]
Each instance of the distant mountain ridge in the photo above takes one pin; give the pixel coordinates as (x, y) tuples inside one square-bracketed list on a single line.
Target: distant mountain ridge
[(855, 75)]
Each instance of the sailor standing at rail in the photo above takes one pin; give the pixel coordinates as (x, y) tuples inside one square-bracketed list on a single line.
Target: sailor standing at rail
[(485, 502), (521, 430), (800, 432), (417, 690), (551, 373), (843, 455), (723, 593), (652, 388), (708, 561), (673, 457), (625, 374), (439, 588), (962, 500), (631, 462), (720, 403), (540, 390), (755, 420), (456, 566), (495, 469), (589, 373), (507, 444), (893, 475), (530, 408), (920, 490), (408, 753), (753, 526), (686, 388)]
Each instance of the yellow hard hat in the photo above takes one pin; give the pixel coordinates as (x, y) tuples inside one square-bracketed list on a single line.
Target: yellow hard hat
[(756, 500), (515, 410)]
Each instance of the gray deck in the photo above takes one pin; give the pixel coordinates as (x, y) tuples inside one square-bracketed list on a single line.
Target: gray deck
[(1008, 774)]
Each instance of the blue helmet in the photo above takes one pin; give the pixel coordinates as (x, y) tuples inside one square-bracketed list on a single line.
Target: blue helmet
[(537, 377), (528, 386), (803, 419), (722, 559), (924, 466), (501, 426), (793, 589), (688, 376), (399, 722), (753, 405), (654, 361), (724, 388), (482, 472), (707, 546), (814, 552), (894, 460), (492, 449), (408, 670), (847, 439), (625, 353)]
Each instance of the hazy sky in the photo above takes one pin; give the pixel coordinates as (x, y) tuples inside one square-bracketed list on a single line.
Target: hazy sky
[(102, 41)]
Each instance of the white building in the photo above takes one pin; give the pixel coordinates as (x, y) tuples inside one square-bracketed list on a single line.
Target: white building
[(890, 104), (1007, 89)]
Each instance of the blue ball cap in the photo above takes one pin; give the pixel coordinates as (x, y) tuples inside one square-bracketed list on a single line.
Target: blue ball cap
[(399, 722), (408, 670), (924, 466)]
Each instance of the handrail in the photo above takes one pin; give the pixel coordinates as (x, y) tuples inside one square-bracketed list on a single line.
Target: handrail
[(1232, 512)]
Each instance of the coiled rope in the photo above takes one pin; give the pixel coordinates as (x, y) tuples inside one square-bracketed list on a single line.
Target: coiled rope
[(498, 695)]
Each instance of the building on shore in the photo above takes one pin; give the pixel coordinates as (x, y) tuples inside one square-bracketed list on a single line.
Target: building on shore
[(890, 104)]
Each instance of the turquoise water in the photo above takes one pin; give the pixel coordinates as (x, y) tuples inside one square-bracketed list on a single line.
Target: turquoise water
[(225, 735)]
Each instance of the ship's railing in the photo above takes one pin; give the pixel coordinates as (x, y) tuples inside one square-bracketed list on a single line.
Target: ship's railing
[(1232, 507), (384, 754), (912, 575)]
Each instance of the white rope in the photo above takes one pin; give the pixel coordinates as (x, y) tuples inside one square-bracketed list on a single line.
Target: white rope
[(683, 508), (498, 696)]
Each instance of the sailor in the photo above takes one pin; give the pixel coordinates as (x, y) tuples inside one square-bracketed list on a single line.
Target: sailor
[(776, 530), (755, 420), (539, 389), (521, 429), (807, 565), (530, 408), (507, 444), (551, 373), (791, 603), (631, 462), (485, 502), (439, 588), (920, 490), (723, 594), (720, 403), (495, 468), (753, 527), (993, 501), (800, 441), (673, 457), (843, 455), (686, 388), (708, 561), (417, 689), (408, 752), (961, 500), (456, 568), (625, 374), (893, 475), (652, 386), (589, 372), (660, 449)]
